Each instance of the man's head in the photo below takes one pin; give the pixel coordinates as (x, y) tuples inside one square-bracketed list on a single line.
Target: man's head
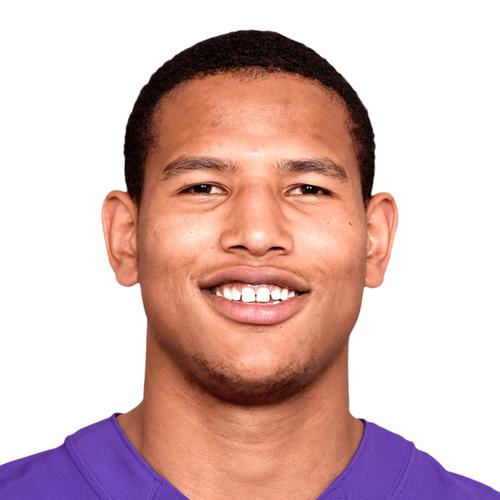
[(251, 177)]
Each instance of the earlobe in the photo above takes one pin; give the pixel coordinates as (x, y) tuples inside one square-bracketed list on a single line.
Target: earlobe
[(382, 221), (119, 221)]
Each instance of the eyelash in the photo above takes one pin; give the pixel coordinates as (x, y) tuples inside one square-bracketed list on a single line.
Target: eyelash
[(325, 191)]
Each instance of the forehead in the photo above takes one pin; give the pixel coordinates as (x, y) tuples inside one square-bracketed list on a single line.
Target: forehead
[(273, 110)]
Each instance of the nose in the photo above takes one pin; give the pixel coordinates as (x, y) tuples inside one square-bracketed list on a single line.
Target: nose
[(256, 224)]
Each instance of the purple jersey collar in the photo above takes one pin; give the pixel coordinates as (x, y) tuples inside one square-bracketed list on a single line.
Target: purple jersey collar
[(114, 468)]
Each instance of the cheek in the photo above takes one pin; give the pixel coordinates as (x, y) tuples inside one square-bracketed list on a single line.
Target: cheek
[(173, 249), (173, 242), (168, 249), (339, 243), (339, 257)]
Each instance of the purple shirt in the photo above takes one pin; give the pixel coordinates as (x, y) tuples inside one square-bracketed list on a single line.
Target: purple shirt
[(99, 461)]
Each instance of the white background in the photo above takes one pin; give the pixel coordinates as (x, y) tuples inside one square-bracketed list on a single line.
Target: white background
[(425, 352)]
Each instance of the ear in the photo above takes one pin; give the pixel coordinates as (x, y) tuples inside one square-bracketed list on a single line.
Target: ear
[(382, 220), (119, 221)]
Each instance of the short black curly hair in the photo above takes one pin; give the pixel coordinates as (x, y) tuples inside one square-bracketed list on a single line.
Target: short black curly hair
[(242, 51)]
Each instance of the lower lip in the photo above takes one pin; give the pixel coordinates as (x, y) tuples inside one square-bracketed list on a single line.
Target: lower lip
[(255, 313)]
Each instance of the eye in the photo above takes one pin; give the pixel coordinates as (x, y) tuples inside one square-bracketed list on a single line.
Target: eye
[(201, 189), (310, 190)]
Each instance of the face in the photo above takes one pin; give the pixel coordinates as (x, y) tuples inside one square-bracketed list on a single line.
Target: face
[(304, 227)]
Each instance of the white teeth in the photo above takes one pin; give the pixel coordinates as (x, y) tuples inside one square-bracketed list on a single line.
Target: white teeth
[(254, 293), (263, 294), (248, 295)]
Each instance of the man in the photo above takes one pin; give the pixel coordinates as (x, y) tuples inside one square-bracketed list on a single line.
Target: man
[(250, 225)]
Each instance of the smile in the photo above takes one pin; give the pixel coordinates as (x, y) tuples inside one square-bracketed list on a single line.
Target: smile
[(255, 304)]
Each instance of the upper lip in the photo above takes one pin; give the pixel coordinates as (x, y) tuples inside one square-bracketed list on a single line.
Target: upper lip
[(255, 275)]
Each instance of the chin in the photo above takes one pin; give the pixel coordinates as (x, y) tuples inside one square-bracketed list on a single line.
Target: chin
[(228, 384)]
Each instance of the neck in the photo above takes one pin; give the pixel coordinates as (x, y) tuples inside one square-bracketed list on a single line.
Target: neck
[(212, 449)]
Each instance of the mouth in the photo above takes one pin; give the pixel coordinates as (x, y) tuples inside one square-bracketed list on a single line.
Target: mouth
[(255, 294), (251, 307)]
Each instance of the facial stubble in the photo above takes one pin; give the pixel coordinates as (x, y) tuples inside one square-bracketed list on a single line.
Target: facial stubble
[(222, 382)]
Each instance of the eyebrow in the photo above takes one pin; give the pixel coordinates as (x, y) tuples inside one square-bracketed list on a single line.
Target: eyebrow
[(322, 165)]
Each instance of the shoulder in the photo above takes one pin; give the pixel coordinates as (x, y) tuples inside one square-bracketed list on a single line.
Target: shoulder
[(46, 475), (426, 478), (388, 466)]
